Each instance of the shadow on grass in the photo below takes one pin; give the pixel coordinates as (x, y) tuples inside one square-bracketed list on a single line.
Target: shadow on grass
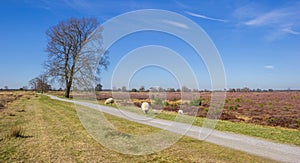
[(24, 136), (17, 132)]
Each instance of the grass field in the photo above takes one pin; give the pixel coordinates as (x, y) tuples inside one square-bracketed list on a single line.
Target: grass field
[(52, 132)]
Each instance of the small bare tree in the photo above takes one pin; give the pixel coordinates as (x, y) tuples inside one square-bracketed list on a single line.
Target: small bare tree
[(74, 52), (40, 83), (33, 84)]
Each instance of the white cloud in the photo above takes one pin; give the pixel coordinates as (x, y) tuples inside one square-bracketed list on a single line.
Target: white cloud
[(247, 11), (267, 18), (278, 23), (177, 24), (205, 17), (290, 31), (269, 67), (78, 4)]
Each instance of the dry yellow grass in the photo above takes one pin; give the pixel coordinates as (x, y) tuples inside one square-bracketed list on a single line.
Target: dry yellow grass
[(7, 97)]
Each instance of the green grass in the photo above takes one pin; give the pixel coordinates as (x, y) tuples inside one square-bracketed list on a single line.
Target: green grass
[(54, 134), (275, 134)]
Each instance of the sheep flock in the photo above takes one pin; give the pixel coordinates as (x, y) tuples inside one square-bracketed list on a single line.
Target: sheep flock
[(145, 106)]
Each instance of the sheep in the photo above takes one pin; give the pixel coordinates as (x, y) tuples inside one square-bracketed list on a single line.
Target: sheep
[(109, 101), (145, 107), (180, 111)]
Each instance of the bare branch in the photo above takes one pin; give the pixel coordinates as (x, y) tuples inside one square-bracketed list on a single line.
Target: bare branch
[(73, 48)]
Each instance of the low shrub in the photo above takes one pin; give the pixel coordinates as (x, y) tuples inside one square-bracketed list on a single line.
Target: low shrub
[(174, 105), (237, 106), (227, 100), (167, 103), (272, 120), (196, 102), (205, 109), (158, 101), (238, 100), (298, 122)]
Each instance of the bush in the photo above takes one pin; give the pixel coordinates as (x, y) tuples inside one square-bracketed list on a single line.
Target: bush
[(167, 103), (196, 102), (272, 120), (236, 107), (298, 122), (238, 100), (158, 101), (227, 100), (175, 105)]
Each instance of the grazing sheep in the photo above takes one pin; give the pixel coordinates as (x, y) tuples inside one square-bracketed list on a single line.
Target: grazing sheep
[(180, 111), (145, 107), (109, 101)]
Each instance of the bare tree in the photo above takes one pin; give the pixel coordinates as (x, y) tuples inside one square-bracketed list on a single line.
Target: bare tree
[(160, 89), (33, 84), (40, 84), (74, 52), (123, 89), (185, 89)]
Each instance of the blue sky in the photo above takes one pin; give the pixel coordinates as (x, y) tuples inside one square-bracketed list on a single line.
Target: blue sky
[(258, 41)]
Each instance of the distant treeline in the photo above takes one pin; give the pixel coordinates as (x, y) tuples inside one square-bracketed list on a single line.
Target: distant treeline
[(159, 89)]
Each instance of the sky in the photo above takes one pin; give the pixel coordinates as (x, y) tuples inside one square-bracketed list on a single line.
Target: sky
[(258, 41)]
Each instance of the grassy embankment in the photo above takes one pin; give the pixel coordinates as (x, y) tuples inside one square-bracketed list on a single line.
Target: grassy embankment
[(52, 132)]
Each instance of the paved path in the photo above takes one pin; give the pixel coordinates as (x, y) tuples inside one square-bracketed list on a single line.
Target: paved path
[(255, 146)]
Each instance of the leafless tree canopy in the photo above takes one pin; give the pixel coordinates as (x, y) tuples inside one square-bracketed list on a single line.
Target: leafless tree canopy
[(75, 52), (40, 84)]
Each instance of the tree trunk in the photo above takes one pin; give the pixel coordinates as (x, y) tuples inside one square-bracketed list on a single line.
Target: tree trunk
[(68, 90)]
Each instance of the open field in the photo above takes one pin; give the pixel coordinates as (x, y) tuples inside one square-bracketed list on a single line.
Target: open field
[(8, 97), (273, 133), (264, 108), (52, 132)]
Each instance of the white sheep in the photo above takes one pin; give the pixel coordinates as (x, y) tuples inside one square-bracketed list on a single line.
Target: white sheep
[(109, 101), (145, 107), (180, 111)]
